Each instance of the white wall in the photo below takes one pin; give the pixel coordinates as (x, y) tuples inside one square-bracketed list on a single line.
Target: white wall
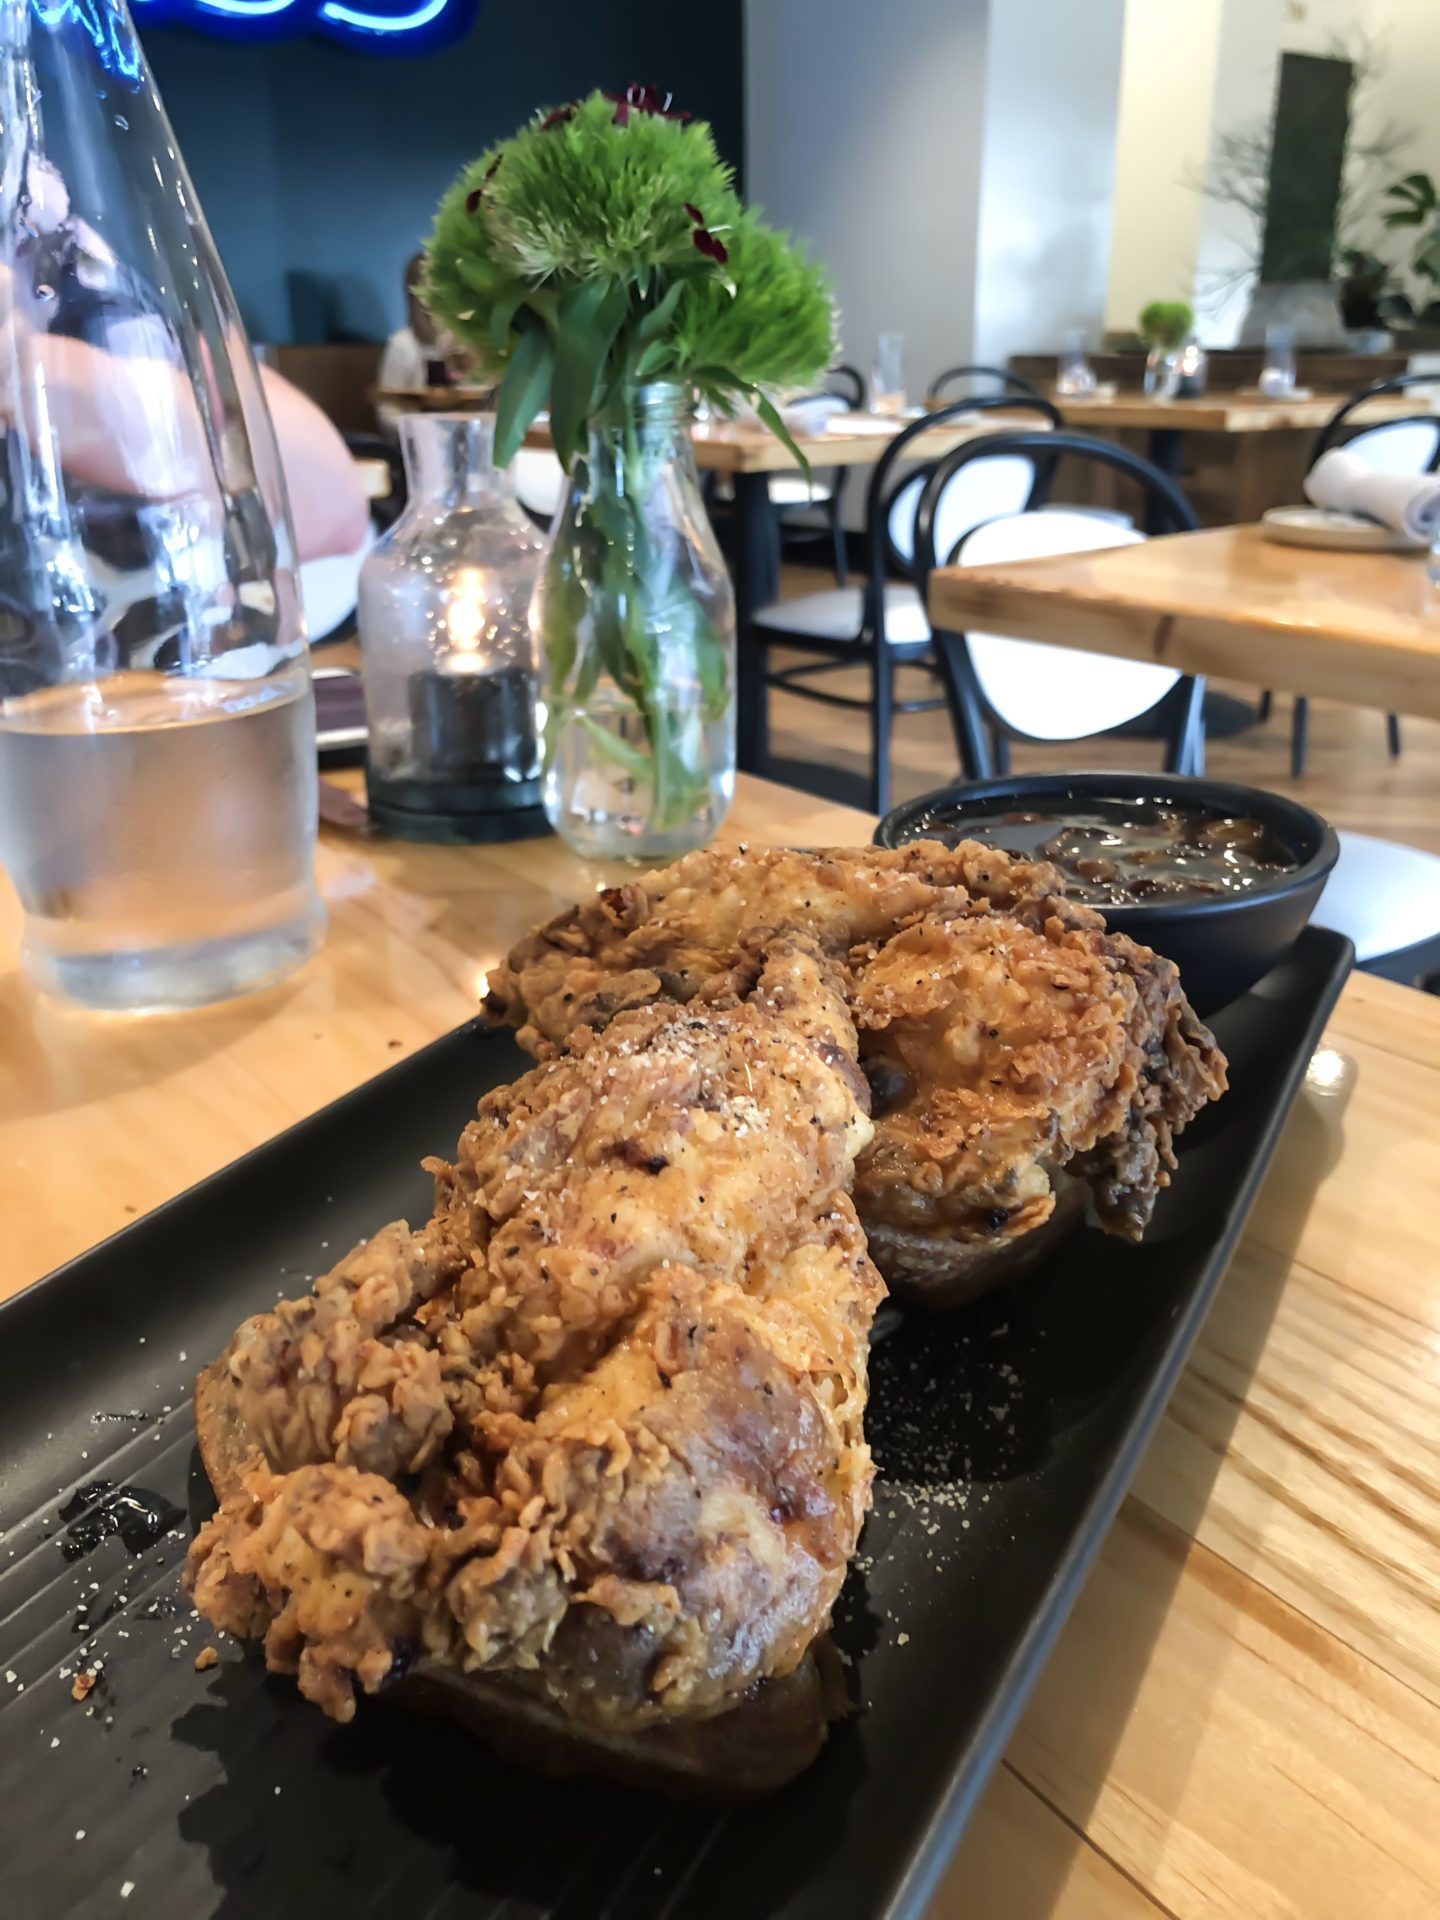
[(1052, 86), (1192, 71), (863, 136), (950, 160), (1167, 101)]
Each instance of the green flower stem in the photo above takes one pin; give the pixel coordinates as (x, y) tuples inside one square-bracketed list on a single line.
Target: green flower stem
[(618, 611)]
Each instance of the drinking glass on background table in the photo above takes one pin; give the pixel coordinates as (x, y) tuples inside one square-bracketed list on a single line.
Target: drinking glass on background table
[(157, 732), (1075, 377), (1277, 376), (887, 379)]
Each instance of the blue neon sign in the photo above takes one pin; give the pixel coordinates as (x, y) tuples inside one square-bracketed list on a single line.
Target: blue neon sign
[(380, 26)]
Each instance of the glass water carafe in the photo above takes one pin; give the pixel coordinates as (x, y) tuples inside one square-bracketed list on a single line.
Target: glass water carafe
[(157, 740)]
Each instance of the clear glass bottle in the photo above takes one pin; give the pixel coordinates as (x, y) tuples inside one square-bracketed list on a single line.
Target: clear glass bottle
[(635, 618), (450, 680), (157, 734)]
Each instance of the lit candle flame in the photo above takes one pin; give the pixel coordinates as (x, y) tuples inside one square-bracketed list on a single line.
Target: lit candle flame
[(465, 621)]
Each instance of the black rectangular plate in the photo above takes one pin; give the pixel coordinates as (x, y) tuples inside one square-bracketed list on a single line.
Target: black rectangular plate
[(1005, 1439)]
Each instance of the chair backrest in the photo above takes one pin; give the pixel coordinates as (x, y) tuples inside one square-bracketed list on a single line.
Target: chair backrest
[(1009, 382), (881, 550), (849, 383), (1340, 424), (1038, 691)]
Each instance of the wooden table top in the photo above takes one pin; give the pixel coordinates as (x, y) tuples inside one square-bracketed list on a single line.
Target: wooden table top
[(1225, 412), (739, 446), (1362, 627), (1243, 1715)]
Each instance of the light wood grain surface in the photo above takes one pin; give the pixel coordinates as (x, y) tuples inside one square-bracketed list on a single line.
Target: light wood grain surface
[(1353, 626), (1221, 412), (1243, 1716)]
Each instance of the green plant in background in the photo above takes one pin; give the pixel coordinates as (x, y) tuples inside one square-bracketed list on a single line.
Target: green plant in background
[(1166, 324), (1416, 204), (600, 253)]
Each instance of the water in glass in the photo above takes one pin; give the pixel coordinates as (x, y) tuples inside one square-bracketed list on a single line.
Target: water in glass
[(157, 766)]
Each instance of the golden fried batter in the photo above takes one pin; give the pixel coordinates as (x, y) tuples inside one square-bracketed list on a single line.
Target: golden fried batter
[(599, 1424), (1012, 1042)]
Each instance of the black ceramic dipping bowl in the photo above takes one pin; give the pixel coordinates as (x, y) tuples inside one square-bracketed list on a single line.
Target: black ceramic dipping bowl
[(1222, 943)]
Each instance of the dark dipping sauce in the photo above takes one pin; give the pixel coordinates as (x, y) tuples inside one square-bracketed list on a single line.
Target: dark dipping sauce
[(1119, 852)]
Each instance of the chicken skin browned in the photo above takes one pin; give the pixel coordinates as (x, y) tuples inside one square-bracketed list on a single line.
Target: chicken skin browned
[(1027, 1065), (596, 1429)]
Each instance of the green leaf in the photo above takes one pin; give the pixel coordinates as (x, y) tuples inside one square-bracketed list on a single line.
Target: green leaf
[(522, 392), (589, 320), (502, 316), (654, 323), (765, 407)]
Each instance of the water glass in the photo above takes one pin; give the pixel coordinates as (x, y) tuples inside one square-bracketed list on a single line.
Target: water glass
[(887, 379), (157, 733), (1075, 377), (1277, 376)]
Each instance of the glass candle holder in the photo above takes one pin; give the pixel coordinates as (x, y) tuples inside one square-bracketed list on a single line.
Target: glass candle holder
[(450, 677)]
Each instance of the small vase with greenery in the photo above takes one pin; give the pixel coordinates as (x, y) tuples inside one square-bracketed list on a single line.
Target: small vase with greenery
[(1164, 326), (600, 262)]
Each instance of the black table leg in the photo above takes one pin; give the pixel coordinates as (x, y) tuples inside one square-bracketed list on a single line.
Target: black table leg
[(1164, 452), (757, 583)]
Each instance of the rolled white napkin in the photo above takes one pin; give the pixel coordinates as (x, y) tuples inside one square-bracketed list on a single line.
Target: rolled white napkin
[(864, 423), (1341, 482)]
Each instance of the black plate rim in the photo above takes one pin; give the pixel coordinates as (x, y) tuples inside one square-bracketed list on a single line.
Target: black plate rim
[(967, 1778)]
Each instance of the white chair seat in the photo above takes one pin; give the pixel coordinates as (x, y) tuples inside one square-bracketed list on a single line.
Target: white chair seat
[(539, 481), (1050, 692), (793, 490), (836, 615), (1384, 896)]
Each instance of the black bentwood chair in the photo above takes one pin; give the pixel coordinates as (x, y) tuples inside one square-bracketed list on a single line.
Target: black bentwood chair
[(1408, 446), (882, 624), (792, 496), (1022, 690), (1009, 383), (1411, 445)]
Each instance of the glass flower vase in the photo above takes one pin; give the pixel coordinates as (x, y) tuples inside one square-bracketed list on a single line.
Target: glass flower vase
[(635, 620), (157, 734)]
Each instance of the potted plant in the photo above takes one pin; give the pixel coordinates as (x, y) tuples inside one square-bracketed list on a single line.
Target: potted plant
[(1164, 326), (1416, 204), (600, 262)]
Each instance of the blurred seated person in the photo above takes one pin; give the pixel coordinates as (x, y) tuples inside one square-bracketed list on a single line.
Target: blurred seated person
[(95, 379), (414, 354)]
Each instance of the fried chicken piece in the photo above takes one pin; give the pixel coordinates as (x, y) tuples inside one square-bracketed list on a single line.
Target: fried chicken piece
[(683, 931), (1002, 1053), (1014, 1046), (647, 1471)]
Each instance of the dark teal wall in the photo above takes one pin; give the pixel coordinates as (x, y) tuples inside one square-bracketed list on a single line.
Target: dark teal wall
[(319, 166)]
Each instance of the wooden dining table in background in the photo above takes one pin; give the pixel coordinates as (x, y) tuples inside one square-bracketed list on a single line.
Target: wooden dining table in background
[(747, 453), (1242, 1716), (1358, 627)]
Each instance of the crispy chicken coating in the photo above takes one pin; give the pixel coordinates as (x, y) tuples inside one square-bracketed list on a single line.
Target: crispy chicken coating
[(599, 1424), (1012, 1043)]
